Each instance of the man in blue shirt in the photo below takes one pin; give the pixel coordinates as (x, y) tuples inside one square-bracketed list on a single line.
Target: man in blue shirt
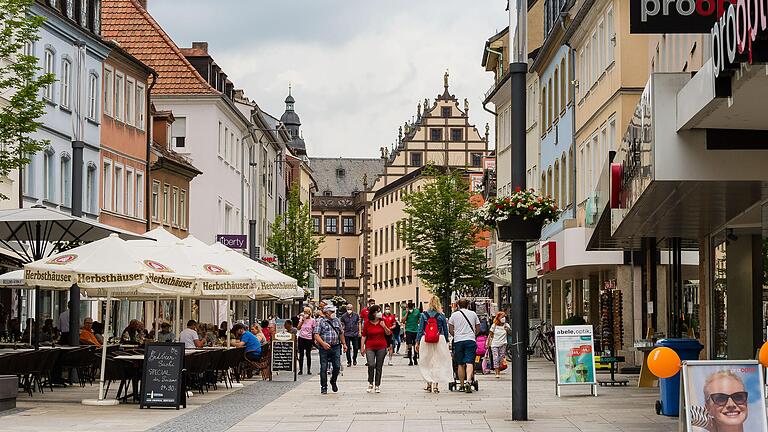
[(329, 337), (249, 341)]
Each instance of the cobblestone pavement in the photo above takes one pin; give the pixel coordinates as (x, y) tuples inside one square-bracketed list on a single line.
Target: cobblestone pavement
[(283, 405)]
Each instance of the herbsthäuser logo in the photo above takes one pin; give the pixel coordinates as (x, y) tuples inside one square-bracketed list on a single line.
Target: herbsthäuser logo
[(63, 259), (158, 267), (214, 269)]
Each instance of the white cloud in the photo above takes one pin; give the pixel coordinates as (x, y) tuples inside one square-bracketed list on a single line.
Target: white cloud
[(352, 92)]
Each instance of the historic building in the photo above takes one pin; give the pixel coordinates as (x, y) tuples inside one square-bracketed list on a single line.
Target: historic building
[(441, 135), (340, 212)]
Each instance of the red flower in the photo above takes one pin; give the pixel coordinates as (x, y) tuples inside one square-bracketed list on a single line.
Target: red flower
[(517, 189)]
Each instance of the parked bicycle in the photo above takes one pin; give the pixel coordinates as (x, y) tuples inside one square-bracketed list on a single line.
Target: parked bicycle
[(543, 344)]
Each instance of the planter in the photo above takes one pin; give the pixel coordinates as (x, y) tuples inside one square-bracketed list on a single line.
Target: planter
[(517, 229)]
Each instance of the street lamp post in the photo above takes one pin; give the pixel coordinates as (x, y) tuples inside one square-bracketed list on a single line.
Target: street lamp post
[(519, 300)]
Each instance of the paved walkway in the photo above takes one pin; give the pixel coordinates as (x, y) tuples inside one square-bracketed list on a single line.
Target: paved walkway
[(402, 405)]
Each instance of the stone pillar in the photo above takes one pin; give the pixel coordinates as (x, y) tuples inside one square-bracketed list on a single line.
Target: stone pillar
[(705, 298), (578, 297), (744, 296), (557, 302)]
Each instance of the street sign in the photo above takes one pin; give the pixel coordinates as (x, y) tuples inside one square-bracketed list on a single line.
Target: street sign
[(233, 241)]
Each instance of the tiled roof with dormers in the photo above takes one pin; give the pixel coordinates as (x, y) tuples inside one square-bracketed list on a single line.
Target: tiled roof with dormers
[(133, 28)]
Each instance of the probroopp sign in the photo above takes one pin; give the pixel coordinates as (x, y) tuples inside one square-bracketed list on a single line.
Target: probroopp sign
[(736, 35), (675, 16)]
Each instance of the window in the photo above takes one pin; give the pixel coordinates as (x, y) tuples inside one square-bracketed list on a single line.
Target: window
[(66, 82), (446, 111), (331, 224), (349, 268), (139, 194), (457, 134), (582, 74), (109, 91), (340, 172), (220, 147), (477, 160), (232, 155), (327, 193), (48, 68), (106, 184), (316, 224), (330, 267), (179, 132), (175, 207), (601, 41), (416, 159), (556, 183), (563, 85), (348, 224), (119, 97), (435, 134), (543, 110), (612, 144), (93, 98), (594, 59), (611, 42), (183, 208), (119, 194), (141, 105), (166, 204), (595, 163), (227, 217), (556, 99), (66, 180), (155, 200), (90, 188), (550, 110), (316, 266), (130, 187)]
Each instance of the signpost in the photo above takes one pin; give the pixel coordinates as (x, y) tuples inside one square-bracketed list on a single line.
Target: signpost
[(284, 354), (574, 357), (233, 241), (163, 383)]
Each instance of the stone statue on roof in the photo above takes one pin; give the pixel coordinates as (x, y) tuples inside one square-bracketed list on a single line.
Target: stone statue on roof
[(466, 106), (445, 79)]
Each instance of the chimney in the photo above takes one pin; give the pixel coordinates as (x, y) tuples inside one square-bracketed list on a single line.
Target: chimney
[(143, 4), (200, 45)]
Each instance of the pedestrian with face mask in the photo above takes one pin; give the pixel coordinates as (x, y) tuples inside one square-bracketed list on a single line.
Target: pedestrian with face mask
[(351, 321), (390, 320), (374, 346), (497, 341), (329, 337), (411, 319)]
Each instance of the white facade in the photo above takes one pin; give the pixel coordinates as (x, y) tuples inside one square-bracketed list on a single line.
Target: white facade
[(215, 139), (48, 178)]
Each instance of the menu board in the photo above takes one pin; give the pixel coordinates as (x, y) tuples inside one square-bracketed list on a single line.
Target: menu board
[(163, 383), (284, 356)]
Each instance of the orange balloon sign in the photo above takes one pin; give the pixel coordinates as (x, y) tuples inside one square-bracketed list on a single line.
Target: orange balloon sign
[(763, 356), (663, 362)]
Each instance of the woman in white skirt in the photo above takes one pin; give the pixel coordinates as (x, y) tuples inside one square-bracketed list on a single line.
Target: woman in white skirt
[(432, 345)]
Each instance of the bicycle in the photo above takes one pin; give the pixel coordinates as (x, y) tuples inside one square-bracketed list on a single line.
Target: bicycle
[(543, 343)]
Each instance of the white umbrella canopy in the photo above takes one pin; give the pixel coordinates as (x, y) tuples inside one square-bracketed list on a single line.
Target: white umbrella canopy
[(161, 235), (13, 279), (270, 280)]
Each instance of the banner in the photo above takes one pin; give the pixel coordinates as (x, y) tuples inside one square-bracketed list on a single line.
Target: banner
[(574, 355), (724, 395)]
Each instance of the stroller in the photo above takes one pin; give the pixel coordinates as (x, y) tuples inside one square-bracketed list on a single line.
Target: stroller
[(454, 385)]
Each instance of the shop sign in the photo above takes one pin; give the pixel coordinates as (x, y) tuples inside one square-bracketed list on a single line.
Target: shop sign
[(548, 257), (723, 395), (675, 16), (737, 35), (233, 241), (574, 356)]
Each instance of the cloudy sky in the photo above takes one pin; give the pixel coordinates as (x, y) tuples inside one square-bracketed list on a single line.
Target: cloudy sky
[(358, 68)]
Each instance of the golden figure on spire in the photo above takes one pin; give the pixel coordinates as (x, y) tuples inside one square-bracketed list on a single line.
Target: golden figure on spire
[(445, 79)]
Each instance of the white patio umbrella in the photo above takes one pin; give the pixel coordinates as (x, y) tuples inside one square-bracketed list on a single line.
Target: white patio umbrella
[(103, 268), (271, 281)]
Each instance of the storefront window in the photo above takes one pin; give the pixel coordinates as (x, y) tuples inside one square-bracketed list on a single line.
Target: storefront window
[(585, 299), (719, 300), (568, 295)]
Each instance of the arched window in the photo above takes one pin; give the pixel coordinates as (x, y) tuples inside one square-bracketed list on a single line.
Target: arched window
[(549, 104), (556, 185), (49, 174), (65, 179), (543, 118), (570, 173), (564, 85), (549, 182), (49, 67), (556, 98), (543, 185)]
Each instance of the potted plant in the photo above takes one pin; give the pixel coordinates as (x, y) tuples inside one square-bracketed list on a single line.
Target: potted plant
[(518, 217)]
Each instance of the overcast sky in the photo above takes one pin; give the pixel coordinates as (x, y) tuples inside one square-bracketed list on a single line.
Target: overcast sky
[(358, 68)]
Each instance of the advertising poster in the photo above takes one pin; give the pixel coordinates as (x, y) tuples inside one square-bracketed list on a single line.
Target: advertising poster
[(574, 353), (724, 395)]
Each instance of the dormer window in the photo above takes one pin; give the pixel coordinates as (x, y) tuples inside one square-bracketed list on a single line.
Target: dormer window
[(327, 193), (340, 172)]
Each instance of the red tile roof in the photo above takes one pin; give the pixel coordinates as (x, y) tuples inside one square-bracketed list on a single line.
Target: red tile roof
[(131, 26)]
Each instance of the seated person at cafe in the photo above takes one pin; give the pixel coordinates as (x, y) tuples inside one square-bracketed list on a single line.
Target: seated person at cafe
[(256, 330), (86, 333), (48, 333), (134, 333), (165, 335), (249, 341), (98, 330), (189, 336), (223, 330), (265, 330)]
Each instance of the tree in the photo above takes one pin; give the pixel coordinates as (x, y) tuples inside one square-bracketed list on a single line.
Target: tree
[(20, 84), (293, 241), (441, 236)]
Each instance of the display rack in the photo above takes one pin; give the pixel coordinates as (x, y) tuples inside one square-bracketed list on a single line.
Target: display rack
[(611, 333)]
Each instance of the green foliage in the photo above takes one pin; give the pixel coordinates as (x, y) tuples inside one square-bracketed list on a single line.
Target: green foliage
[(292, 241), (19, 84), (441, 236)]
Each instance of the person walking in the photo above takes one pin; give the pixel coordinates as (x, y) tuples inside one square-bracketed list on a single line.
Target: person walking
[(411, 320), (497, 341), (374, 346), (464, 326), (431, 345), (351, 321), (390, 320), (329, 337), (306, 336)]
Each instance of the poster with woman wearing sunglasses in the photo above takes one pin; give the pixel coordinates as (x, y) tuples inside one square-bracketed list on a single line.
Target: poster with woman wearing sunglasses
[(724, 396)]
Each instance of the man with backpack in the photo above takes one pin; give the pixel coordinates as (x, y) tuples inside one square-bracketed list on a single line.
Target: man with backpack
[(464, 325), (411, 320)]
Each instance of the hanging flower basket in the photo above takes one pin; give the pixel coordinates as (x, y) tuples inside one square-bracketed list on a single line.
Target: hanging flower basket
[(517, 229), (518, 217)]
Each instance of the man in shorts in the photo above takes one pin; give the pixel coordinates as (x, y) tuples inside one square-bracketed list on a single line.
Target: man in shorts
[(464, 325), (411, 320)]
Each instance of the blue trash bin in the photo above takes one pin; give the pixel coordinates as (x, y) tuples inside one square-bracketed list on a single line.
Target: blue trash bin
[(669, 388)]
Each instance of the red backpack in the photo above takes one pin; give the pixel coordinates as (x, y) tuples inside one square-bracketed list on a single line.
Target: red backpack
[(431, 331)]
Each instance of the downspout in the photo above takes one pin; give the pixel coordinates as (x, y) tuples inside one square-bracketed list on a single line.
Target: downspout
[(501, 59), (148, 175)]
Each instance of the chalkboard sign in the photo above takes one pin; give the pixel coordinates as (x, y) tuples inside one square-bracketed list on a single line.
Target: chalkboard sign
[(163, 382), (284, 356)]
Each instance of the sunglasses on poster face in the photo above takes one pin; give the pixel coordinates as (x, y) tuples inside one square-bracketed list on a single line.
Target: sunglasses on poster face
[(721, 399)]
